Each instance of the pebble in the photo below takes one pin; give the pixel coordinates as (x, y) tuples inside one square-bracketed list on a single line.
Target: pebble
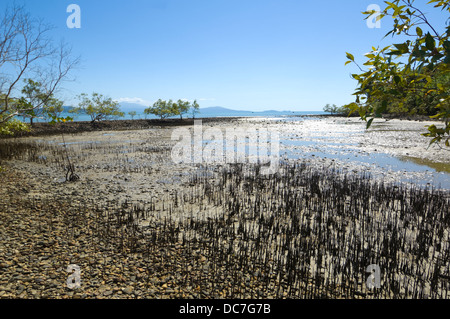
[(128, 290)]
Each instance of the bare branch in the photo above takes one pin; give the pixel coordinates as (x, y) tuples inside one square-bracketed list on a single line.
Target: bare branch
[(422, 17), (26, 51)]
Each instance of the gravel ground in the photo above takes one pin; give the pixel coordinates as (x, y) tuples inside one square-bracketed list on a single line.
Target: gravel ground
[(39, 239)]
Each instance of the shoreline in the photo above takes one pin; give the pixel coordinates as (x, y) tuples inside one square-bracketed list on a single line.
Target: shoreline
[(47, 129), (325, 139)]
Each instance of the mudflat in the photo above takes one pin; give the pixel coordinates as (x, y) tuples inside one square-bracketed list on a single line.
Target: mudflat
[(140, 225)]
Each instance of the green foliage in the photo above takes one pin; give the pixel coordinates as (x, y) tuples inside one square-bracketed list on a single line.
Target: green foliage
[(132, 114), (37, 103), (195, 108), (165, 109), (98, 107), (160, 108), (54, 108), (408, 77), (332, 109), (27, 51), (30, 104), (12, 126), (57, 119), (183, 107), (338, 110), (329, 109), (441, 134)]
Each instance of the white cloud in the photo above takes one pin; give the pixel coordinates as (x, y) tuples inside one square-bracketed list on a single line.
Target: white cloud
[(200, 99), (136, 100)]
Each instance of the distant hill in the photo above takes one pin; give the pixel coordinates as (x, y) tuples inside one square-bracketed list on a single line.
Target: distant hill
[(224, 109), (213, 111), (67, 108), (126, 107), (220, 109)]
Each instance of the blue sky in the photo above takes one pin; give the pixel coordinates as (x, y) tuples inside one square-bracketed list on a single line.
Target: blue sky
[(246, 54)]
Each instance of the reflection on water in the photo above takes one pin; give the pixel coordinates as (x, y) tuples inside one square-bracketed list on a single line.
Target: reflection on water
[(337, 140), (413, 170), (439, 167)]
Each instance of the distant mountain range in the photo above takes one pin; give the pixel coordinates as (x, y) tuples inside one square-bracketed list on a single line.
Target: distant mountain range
[(220, 109), (126, 107), (213, 111)]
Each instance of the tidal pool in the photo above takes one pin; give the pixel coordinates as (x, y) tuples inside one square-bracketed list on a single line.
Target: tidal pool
[(395, 150)]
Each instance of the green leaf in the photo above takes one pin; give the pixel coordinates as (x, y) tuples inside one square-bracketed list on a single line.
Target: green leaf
[(446, 45), (350, 56), (429, 42), (447, 59), (383, 107), (395, 52), (419, 31), (402, 47), (369, 123)]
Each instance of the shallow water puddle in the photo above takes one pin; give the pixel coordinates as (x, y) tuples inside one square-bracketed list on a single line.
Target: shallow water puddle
[(407, 169)]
